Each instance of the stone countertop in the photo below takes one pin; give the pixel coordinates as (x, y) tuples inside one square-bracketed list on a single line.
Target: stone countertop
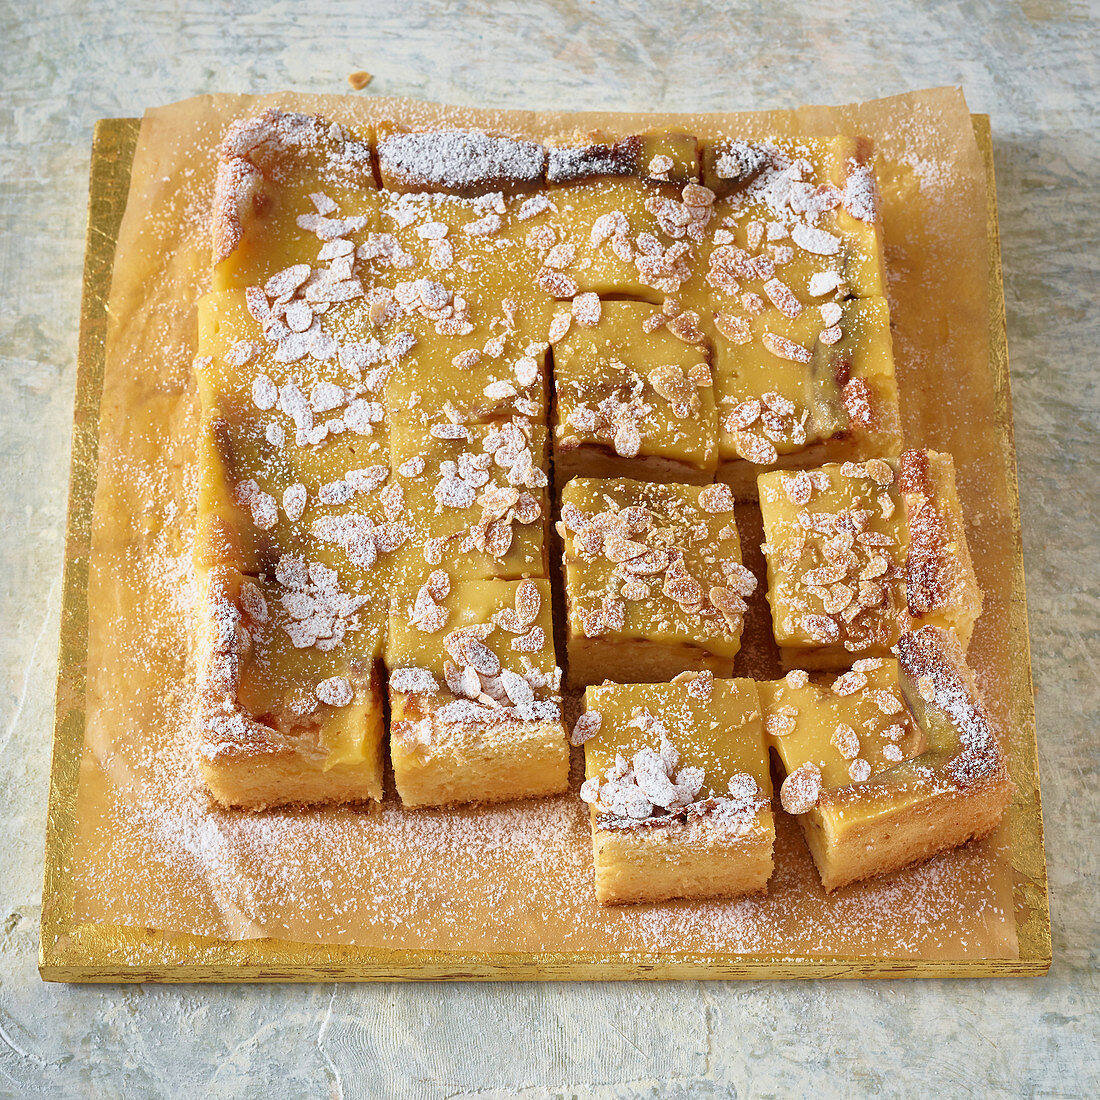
[(1033, 67)]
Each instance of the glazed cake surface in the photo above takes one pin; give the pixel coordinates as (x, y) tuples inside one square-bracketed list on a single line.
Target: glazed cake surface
[(679, 789), (889, 763), (422, 348)]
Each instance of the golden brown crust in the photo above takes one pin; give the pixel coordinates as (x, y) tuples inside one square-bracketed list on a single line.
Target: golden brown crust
[(938, 823), (939, 575), (238, 187), (247, 763), (699, 857), (222, 727), (461, 162), (260, 151)]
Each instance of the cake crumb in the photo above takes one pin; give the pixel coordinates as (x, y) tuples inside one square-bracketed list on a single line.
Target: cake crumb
[(360, 79)]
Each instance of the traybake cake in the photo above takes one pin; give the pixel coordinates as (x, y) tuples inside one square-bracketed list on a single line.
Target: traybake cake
[(859, 551), (679, 788), (890, 762), (469, 401)]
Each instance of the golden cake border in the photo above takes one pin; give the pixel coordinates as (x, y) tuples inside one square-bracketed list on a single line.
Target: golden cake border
[(80, 952)]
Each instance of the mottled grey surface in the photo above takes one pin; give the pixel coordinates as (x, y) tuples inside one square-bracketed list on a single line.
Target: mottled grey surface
[(1033, 67)]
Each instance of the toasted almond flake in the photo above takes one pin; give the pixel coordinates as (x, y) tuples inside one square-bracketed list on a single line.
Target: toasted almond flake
[(781, 723), (627, 440), (265, 393), (335, 691), (466, 360), (715, 499), (870, 594), (252, 601), (484, 226), (413, 681), (882, 473), (799, 488), (801, 789), (257, 304), (838, 598), (559, 326), (532, 207), (729, 603), (830, 336), (892, 753), (820, 628), (685, 326), (242, 352), (782, 348), (608, 226), (587, 309), (849, 683), (531, 642), (556, 283), (759, 451), (696, 195), (586, 727), (298, 316), (859, 770), (845, 741), (265, 513), (876, 566), (745, 414), (814, 240), (294, 501), (284, 283), (797, 678), (735, 329), (617, 549), (782, 297), (823, 282), (680, 586), (888, 702), (449, 431), (432, 231)]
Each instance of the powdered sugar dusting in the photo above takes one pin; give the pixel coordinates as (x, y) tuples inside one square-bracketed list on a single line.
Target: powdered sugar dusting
[(460, 160), (161, 855)]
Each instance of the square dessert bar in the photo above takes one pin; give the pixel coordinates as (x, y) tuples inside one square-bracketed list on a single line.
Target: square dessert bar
[(654, 584), (804, 390), (475, 711), (631, 399), (289, 704), (473, 497), (678, 783), (889, 763), (293, 457), (808, 205), (283, 178), (790, 290), (857, 552)]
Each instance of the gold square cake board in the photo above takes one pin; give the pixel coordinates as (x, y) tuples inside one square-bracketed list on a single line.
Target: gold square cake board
[(79, 952)]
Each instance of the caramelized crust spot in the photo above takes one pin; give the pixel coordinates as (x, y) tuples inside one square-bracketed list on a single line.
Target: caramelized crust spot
[(928, 562)]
